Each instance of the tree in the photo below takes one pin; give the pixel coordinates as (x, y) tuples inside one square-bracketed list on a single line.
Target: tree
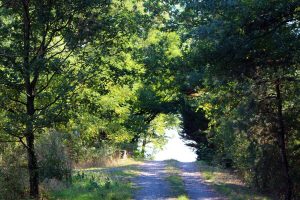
[(249, 49), (194, 126), (158, 94), (37, 72)]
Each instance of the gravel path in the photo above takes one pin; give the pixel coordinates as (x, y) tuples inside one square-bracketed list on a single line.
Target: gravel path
[(152, 184), (195, 187)]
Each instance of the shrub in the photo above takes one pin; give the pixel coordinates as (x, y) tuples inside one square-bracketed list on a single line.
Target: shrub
[(53, 159), (104, 155), (13, 173)]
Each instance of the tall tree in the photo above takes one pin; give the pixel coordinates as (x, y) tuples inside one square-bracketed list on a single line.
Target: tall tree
[(38, 40), (250, 46)]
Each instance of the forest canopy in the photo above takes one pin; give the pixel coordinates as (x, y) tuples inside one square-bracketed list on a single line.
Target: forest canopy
[(102, 76)]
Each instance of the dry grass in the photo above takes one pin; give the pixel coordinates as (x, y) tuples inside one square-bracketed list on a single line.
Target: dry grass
[(105, 163)]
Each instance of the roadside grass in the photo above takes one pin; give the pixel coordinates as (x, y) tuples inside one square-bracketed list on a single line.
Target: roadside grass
[(99, 183), (175, 180), (227, 183)]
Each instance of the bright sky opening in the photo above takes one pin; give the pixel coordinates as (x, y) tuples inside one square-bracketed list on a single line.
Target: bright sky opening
[(176, 149)]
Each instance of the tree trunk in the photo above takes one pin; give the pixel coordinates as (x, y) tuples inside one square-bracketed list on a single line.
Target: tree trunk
[(32, 160), (32, 165), (134, 142), (282, 143), (144, 146), (30, 108)]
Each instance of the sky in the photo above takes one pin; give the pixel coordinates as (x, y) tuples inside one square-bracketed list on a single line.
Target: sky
[(175, 149)]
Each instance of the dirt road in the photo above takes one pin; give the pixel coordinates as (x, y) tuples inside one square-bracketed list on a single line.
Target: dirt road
[(153, 186)]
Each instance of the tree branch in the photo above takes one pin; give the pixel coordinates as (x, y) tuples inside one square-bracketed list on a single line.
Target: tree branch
[(15, 100)]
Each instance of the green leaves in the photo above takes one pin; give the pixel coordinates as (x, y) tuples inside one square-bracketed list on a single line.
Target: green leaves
[(241, 51)]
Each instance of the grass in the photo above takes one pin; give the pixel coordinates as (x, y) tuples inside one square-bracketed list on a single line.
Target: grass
[(175, 180), (99, 183), (106, 165), (227, 183)]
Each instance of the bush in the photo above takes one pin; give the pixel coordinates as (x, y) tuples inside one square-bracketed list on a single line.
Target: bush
[(13, 173), (13, 183), (53, 159), (104, 155)]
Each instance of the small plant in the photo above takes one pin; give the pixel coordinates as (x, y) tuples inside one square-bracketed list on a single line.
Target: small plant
[(107, 183), (93, 185)]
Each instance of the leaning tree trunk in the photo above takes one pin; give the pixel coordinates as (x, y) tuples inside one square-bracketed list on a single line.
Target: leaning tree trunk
[(281, 135)]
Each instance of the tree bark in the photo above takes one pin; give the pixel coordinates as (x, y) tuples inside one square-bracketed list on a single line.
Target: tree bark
[(30, 108), (32, 159), (32, 165), (282, 143)]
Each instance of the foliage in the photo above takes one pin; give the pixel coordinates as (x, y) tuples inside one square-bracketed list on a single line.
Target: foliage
[(13, 174), (194, 124), (111, 75), (53, 158), (245, 54), (38, 72)]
